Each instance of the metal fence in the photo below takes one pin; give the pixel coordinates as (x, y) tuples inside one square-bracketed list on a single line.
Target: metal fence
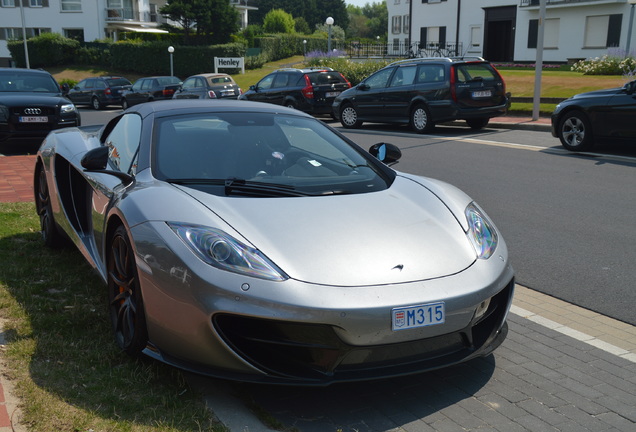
[(398, 50)]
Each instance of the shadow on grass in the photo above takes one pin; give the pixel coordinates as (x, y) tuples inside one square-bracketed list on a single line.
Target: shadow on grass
[(60, 352)]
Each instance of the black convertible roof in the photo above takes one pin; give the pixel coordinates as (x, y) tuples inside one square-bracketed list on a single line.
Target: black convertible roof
[(186, 106)]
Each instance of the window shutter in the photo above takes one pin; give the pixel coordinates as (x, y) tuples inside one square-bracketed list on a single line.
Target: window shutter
[(614, 30), (423, 32), (442, 36), (533, 33)]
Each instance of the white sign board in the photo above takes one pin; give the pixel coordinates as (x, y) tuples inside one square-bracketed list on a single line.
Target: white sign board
[(229, 62)]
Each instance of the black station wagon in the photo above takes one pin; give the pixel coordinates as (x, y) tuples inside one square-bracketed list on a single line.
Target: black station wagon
[(424, 91)]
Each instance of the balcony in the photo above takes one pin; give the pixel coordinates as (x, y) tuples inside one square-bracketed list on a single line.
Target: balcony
[(535, 3), (127, 15)]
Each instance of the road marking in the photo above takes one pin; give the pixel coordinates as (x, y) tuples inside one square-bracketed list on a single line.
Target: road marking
[(568, 331)]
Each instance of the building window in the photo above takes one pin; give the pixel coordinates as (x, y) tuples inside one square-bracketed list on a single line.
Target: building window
[(71, 5), (405, 24), (396, 26), (550, 33), (475, 37), (35, 3), (77, 34), (602, 31), (8, 3), (432, 37)]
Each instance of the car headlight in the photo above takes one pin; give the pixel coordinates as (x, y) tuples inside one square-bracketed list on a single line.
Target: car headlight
[(67, 108), (481, 232), (224, 252)]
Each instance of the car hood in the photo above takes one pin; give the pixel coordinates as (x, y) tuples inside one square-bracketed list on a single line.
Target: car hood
[(402, 234), (598, 93), (39, 99)]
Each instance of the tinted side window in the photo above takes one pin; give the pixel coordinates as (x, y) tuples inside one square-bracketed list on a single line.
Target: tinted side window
[(430, 73), (123, 142), (89, 83), (403, 76), (266, 82), (99, 84), (379, 79), (147, 85), (189, 83), (281, 80)]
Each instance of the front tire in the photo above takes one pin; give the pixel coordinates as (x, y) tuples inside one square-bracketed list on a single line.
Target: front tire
[(575, 131), (349, 117), (50, 234), (420, 120), (127, 314), (124, 104), (96, 104)]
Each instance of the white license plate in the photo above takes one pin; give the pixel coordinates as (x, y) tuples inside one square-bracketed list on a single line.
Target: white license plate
[(34, 119), (227, 93), (418, 316), (481, 94), (332, 94)]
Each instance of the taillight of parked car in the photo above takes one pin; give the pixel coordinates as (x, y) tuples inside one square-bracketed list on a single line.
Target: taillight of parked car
[(308, 90), (168, 92), (453, 82), (346, 80), (211, 94), (107, 92)]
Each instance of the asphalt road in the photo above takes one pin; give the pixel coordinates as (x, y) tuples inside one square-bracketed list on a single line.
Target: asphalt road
[(568, 219)]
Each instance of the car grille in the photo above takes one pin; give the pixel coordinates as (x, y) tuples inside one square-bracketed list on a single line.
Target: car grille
[(315, 352)]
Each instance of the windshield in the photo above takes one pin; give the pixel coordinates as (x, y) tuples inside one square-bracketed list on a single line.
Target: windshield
[(20, 81), (286, 153)]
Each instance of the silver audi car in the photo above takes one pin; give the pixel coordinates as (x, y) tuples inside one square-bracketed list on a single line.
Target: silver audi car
[(254, 242)]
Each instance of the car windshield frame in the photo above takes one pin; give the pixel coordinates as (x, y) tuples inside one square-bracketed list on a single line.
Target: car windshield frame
[(207, 151)]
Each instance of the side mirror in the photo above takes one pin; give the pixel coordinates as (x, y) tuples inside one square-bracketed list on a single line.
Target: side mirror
[(385, 152), (96, 160), (630, 87), (253, 87), (65, 88), (363, 86)]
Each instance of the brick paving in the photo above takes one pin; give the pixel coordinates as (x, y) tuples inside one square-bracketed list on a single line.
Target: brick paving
[(16, 178)]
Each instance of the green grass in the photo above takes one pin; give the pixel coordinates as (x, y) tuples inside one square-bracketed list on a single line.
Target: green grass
[(68, 372)]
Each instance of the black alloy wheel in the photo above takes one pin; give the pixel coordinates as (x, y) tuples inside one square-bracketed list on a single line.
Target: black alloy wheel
[(95, 103), (575, 131), (127, 315), (51, 236)]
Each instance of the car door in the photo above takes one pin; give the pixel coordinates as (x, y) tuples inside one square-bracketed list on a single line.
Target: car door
[(399, 92), (369, 98), (263, 89), (192, 88), (80, 94), (122, 138), (134, 95)]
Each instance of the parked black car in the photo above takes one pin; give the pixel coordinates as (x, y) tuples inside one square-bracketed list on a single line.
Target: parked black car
[(149, 89), (99, 92), (208, 86), (31, 105), (310, 90), (424, 91), (585, 118)]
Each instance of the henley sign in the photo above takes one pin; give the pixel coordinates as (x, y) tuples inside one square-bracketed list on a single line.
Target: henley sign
[(229, 63)]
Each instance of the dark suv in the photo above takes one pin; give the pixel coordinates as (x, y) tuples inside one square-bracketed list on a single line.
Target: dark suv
[(310, 90), (424, 91), (31, 105), (99, 92)]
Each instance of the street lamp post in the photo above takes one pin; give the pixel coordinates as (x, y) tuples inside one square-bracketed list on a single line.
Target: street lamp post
[(171, 50), (329, 23), (629, 29), (305, 47)]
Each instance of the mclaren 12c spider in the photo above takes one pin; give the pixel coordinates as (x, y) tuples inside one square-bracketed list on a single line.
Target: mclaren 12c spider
[(253, 242)]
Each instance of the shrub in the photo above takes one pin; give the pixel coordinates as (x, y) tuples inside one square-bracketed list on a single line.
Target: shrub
[(353, 71), (606, 65), (48, 49)]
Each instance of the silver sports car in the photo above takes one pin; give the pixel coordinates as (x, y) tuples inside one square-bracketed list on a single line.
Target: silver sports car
[(253, 242)]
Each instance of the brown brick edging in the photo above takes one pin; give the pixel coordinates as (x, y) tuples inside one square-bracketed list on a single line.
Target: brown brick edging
[(16, 178)]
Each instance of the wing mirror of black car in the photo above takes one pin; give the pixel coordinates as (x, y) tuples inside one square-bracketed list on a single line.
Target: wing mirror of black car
[(363, 86), (96, 160), (253, 87), (385, 152), (65, 88), (630, 87)]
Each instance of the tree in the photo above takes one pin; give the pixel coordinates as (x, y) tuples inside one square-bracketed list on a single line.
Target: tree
[(278, 21), (181, 12), (368, 21)]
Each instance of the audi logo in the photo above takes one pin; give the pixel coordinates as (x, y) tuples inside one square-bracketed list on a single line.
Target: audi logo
[(32, 111)]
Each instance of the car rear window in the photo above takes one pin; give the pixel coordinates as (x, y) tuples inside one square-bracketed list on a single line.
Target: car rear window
[(318, 78), (220, 80), (114, 82), (471, 71), (168, 81)]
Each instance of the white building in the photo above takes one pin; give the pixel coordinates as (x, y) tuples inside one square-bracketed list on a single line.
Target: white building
[(84, 20), (507, 30)]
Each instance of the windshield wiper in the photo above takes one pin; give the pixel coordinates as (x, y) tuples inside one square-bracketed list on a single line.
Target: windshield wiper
[(236, 186)]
